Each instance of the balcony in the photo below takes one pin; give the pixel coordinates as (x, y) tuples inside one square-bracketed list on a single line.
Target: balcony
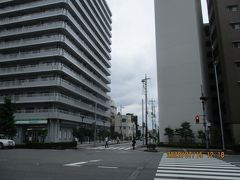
[(78, 28), (76, 49), (36, 41), (30, 55), (29, 17), (21, 84), (56, 114), (30, 5), (38, 98), (31, 29), (103, 34), (81, 20), (105, 21), (101, 24), (81, 42), (90, 73), (106, 17)]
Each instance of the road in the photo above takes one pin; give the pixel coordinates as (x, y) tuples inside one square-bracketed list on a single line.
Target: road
[(84, 164), (118, 162)]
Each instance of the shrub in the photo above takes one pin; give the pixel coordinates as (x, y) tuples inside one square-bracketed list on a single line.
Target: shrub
[(151, 146), (57, 145)]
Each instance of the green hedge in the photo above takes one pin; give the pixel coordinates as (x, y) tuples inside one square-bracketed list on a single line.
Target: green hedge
[(236, 148), (182, 145), (57, 145)]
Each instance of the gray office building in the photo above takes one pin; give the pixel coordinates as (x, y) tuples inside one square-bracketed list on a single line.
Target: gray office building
[(54, 64), (179, 55), (224, 26)]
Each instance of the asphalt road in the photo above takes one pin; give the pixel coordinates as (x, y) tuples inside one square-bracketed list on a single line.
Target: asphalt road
[(118, 162)]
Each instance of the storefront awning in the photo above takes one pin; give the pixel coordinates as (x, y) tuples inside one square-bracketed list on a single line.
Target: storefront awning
[(30, 121)]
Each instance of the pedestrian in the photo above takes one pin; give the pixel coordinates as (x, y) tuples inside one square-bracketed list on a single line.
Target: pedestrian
[(118, 141), (133, 143), (106, 142)]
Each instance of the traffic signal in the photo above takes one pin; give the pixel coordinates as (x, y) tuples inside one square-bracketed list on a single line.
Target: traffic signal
[(197, 119)]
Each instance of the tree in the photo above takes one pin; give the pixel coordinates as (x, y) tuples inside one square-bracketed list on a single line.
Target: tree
[(7, 122), (185, 132), (201, 135), (170, 133)]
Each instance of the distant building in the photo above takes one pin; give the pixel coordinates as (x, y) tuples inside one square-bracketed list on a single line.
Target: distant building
[(125, 125), (54, 64), (179, 54), (224, 25)]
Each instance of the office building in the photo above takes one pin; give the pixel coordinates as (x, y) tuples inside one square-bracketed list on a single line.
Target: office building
[(224, 25), (54, 64), (179, 53)]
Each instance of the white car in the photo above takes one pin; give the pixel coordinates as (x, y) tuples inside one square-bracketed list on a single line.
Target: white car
[(5, 142)]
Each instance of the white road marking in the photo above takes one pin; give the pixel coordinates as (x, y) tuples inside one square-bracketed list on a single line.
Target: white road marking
[(108, 167), (195, 176), (127, 148), (78, 164), (94, 160), (199, 169), (207, 166), (199, 172)]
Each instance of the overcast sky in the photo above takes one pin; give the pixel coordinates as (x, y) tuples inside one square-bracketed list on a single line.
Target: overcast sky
[(133, 53)]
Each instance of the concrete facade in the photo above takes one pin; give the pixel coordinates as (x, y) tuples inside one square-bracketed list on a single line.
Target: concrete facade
[(124, 124), (54, 64), (224, 25), (179, 54)]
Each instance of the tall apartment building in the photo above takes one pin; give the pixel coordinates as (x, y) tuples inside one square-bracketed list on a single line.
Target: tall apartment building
[(179, 54), (54, 64), (224, 22)]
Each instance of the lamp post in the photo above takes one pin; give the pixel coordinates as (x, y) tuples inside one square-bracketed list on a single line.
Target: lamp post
[(219, 104), (95, 124), (82, 119)]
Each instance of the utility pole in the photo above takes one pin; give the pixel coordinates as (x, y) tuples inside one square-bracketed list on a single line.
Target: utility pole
[(144, 81), (204, 99), (121, 107), (152, 103)]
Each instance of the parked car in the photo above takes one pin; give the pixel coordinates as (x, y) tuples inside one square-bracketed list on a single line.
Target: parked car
[(6, 142)]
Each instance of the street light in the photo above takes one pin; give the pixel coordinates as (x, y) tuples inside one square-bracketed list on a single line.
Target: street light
[(82, 119), (95, 124), (219, 103)]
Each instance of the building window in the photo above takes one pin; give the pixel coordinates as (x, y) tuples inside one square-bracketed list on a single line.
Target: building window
[(233, 8), (124, 120), (235, 26), (236, 44)]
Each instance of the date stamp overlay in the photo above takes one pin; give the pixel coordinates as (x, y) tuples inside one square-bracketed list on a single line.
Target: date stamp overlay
[(195, 155)]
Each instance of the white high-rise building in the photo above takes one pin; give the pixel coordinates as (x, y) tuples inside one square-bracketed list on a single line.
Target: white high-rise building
[(54, 64), (179, 54)]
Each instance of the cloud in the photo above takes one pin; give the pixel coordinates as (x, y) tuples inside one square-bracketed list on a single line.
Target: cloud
[(133, 52)]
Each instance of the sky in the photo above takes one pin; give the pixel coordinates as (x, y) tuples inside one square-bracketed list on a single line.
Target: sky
[(134, 53)]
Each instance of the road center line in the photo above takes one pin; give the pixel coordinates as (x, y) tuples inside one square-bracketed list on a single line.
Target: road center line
[(108, 167)]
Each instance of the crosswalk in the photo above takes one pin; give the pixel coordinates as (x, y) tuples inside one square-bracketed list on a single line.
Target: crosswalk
[(124, 148), (202, 168)]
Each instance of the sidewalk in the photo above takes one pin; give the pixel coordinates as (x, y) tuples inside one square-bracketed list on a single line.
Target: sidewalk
[(91, 144)]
